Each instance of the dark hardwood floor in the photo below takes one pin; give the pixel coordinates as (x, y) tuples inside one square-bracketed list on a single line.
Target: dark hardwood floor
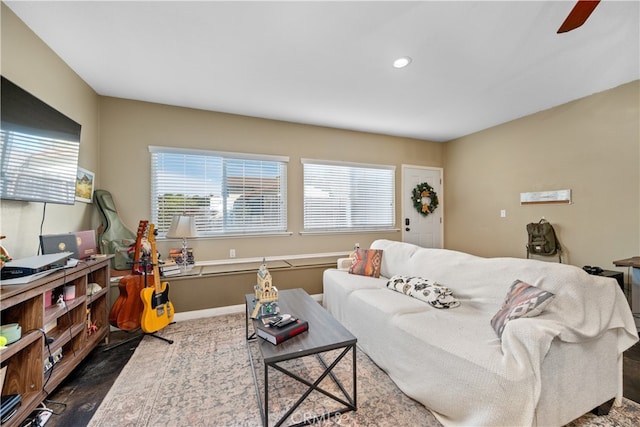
[(83, 391), (75, 401)]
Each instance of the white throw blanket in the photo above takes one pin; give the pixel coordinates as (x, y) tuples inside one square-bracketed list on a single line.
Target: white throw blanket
[(497, 382)]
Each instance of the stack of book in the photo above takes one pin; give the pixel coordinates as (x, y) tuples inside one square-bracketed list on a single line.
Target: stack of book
[(176, 255), (169, 268), (275, 335)]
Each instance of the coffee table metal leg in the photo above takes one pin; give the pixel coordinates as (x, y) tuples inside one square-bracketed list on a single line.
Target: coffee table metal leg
[(355, 383), (349, 404), (265, 421), (246, 324), (352, 404), (255, 383)]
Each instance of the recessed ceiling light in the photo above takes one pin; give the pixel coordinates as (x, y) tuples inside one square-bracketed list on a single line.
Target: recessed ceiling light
[(402, 62)]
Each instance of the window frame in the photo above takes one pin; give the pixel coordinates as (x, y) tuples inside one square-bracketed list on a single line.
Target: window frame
[(279, 226), (389, 226)]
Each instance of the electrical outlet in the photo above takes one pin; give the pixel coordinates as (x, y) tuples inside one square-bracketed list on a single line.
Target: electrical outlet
[(503, 213), (232, 253)]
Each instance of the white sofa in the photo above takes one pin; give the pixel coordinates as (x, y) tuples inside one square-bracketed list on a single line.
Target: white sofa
[(545, 370)]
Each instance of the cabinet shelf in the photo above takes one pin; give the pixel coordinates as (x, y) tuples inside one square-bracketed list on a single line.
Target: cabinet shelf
[(97, 295), (16, 347), (54, 312), (97, 336), (62, 336), (67, 325)]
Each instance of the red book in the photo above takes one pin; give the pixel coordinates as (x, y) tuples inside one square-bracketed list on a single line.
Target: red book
[(277, 335)]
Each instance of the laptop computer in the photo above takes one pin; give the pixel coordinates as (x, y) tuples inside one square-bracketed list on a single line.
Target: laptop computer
[(56, 243), (86, 240), (9, 406)]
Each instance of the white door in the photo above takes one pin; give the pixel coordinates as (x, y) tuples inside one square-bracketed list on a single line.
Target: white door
[(425, 231)]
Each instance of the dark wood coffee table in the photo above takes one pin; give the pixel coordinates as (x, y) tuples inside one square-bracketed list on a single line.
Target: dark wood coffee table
[(325, 333)]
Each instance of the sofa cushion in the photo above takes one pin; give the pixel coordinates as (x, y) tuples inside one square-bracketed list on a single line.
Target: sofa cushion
[(366, 262), (523, 300), (397, 259), (426, 290)]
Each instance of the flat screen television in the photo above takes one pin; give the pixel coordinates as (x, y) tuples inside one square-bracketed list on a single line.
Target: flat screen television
[(39, 149)]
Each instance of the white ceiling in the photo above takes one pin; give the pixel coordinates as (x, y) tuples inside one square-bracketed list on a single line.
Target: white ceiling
[(475, 64)]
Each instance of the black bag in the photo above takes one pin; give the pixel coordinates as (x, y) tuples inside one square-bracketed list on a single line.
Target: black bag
[(542, 239)]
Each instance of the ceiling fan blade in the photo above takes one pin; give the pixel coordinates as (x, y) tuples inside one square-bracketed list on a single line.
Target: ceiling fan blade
[(578, 15)]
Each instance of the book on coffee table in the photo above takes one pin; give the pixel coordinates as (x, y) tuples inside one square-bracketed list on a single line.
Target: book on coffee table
[(277, 335)]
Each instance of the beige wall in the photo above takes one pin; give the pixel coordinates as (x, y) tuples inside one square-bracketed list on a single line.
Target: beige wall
[(29, 63), (130, 127), (591, 146)]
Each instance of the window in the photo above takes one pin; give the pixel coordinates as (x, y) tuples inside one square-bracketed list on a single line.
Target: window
[(348, 196), (227, 193)]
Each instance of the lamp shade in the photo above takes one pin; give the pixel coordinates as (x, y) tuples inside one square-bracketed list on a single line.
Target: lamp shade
[(182, 226)]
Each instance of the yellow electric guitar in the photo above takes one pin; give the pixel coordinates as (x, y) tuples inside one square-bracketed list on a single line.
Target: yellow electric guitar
[(158, 310)]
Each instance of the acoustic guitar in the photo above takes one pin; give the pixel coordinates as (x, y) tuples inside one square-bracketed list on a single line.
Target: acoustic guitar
[(127, 309), (158, 310)]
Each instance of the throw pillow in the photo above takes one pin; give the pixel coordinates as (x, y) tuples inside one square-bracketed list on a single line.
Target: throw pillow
[(436, 295), (523, 300), (366, 262)]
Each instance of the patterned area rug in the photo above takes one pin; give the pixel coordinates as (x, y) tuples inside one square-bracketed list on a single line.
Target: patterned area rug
[(204, 379)]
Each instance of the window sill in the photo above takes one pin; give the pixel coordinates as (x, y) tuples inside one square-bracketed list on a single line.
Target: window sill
[(244, 265), (362, 231), (236, 236)]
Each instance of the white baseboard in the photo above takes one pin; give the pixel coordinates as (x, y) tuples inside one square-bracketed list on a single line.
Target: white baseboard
[(219, 311)]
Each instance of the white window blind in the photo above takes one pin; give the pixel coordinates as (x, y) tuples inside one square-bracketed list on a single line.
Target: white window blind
[(348, 197), (227, 193)]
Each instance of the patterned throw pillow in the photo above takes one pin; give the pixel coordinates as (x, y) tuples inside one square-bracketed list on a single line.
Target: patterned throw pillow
[(366, 262), (523, 300), (429, 291)]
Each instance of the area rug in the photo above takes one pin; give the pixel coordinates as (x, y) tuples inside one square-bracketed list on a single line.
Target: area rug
[(205, 379)]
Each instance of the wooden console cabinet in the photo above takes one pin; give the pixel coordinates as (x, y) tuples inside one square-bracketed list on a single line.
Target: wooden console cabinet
[(67, 324)]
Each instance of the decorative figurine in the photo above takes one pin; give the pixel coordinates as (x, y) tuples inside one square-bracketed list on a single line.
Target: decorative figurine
[(266, 295), (91, 326), (352, 255)]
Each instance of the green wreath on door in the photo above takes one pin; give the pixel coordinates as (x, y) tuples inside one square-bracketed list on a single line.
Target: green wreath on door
[(424, 198)]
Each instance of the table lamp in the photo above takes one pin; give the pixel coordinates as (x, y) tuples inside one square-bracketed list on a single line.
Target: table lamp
[(183, 227)]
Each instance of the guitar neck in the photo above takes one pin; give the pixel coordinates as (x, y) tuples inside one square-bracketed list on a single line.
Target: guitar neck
[(154, 259), (156, 271), (142, 226)]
